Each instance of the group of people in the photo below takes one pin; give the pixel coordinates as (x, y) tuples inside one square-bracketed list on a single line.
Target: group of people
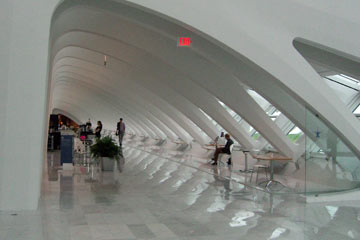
[(120, 132), (97, 129), (120, 129)]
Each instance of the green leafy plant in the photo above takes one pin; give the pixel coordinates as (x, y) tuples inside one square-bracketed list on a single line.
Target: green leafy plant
[(105, 147)]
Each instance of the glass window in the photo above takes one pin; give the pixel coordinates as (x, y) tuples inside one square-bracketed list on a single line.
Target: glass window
[(295, 134), (275, 114), (343, 80), (256, 135), (357, 111), (350, 78)]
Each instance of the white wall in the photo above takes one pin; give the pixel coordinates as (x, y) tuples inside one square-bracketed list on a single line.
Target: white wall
[(24, 41), (5, 29)]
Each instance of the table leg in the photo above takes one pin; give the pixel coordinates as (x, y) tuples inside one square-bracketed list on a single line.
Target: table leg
[(271, 171), (85, 154), (246, 162), (246, 170), (271, 181), (271, 175)]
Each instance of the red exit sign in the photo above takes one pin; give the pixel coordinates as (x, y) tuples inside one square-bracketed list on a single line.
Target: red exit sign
[(184, 42)]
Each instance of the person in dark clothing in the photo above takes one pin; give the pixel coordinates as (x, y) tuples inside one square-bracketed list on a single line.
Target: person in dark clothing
[(98, 130), (225, 149), (88, 123), (120, 130)]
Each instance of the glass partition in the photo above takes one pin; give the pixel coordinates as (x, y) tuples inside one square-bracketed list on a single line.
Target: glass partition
[(330, 164)]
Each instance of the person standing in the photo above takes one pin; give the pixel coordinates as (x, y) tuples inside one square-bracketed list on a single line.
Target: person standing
[(88, 124), (98, 130), (120, 130)]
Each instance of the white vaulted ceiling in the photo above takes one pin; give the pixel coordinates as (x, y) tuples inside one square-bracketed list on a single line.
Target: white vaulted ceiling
[(158, 87)]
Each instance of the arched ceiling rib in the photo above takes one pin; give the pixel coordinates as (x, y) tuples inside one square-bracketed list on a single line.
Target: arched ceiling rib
[(219, 116), (92, 99), (90, 73), (67, 114), (180, 119), (229, 124), (152, 110), (126, 108), (145, 45), (330, 58), (216, 111), (86, 100), (123, 91), (204, 106)]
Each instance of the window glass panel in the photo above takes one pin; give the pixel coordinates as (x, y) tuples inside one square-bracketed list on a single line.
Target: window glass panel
[(276, 113), (344, 88), (357, 110), (295, 134), (350, 78), (256, 135)]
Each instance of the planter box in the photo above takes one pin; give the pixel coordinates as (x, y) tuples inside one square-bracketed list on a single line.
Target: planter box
[(107, 164)]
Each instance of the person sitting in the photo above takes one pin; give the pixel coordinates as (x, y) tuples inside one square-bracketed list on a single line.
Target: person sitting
[(225, 149)]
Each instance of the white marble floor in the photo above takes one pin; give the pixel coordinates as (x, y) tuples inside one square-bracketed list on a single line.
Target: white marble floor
[(157, 198)]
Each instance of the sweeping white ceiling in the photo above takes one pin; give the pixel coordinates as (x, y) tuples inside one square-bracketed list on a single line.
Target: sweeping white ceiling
[(158, 87)]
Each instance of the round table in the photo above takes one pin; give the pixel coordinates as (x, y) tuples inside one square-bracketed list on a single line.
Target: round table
[(271, 157)]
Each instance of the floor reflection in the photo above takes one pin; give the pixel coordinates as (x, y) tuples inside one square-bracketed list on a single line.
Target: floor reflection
[(151, 197), (66, 191)]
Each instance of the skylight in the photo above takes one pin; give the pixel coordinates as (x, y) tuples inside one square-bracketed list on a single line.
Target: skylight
[(344, 80), (357, 110), (295, 134), (350, 78)]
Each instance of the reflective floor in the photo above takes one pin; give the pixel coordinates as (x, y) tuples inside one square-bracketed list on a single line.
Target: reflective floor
[(150, 197)]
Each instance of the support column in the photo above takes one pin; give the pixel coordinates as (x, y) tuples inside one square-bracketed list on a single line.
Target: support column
[(24, 51)]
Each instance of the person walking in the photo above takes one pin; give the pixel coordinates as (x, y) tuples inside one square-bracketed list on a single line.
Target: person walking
[(120, 130)]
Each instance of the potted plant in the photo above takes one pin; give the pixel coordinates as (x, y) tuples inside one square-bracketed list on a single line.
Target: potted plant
[(106, 150)]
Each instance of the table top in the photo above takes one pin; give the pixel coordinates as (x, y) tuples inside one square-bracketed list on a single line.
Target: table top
[(272, 157), (208, 147), (244, 150), (213, 146)]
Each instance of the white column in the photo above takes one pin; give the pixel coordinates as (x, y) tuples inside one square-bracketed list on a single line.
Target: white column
[(24, 40)]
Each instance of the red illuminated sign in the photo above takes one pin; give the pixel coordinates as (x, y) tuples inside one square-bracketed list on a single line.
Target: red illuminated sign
[(184, 41)]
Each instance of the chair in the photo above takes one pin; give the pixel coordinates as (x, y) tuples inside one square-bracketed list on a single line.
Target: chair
[(226, 154), (256, 168)]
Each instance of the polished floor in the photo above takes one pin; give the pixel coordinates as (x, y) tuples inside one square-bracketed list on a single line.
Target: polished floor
[(152, 197)]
